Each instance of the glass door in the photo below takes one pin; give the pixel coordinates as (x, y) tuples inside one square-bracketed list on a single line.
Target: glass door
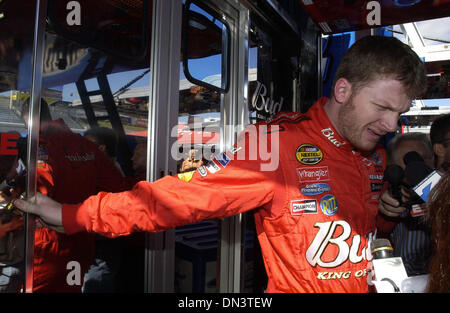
[(17, 21)]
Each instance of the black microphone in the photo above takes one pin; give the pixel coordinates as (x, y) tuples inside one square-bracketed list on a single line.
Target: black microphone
[(420, 176), (416, 169), (412, 156), (389, 270), (394, 175)]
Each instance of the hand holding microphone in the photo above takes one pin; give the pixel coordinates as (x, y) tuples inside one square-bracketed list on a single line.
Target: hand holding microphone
[(391, 200), (394, 175), (420, 177)]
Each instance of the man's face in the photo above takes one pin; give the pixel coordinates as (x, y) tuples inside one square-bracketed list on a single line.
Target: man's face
[(442, 150), (447, 150), (372, 112)]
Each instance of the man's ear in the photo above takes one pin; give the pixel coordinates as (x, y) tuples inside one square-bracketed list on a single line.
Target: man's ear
[(439, 150), (342, 90), (102, 148)]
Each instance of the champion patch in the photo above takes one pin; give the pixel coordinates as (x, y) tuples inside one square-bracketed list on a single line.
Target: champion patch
[(329, 205), (305, 206), (308, 154)]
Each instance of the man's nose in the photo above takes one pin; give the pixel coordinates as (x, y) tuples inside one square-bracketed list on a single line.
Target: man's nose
[(390, 121)]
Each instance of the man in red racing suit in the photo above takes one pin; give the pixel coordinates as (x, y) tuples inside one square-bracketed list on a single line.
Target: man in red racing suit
[(313, 179), (313, 229), (70, 168)]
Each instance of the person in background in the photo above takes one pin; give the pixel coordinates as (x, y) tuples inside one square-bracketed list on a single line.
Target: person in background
[(139, 160), (439, 221), (440, 139), (111, 270), (70, 168), (131, 274), (410, 236), (106, 140), (102, 274)]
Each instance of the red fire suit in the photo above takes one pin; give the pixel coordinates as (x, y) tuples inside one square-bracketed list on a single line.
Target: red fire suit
[(315, 201), (70, 169)]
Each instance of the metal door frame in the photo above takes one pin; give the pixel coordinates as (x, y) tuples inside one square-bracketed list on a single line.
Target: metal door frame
[(163, 114), (234, 117), (33, 134)]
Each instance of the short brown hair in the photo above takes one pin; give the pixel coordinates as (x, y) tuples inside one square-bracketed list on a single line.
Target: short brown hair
[(375, 57), (440, 129)]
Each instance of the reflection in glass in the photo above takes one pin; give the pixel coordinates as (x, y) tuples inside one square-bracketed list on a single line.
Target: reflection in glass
[(205, 49), (15, 81)]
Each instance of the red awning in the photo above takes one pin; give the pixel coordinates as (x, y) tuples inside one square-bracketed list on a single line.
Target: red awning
[(336, 16)]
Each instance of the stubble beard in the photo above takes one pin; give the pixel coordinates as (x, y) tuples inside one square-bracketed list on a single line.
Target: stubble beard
[(351, 131)]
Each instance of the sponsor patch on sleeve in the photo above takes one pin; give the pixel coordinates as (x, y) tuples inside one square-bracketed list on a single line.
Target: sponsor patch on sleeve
[(223, 159), (202, 171), (212, 167)]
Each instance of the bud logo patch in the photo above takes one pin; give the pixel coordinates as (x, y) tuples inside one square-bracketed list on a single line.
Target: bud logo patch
[(329, 133), (308, 154)]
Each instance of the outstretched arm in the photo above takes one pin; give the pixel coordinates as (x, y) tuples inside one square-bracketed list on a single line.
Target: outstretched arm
[(217, 190)]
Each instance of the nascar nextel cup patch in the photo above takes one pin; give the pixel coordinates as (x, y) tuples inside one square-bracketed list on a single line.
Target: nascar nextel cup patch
[(308, 154)]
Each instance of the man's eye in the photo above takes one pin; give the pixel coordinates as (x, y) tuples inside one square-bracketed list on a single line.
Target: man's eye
[(380, 107)]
